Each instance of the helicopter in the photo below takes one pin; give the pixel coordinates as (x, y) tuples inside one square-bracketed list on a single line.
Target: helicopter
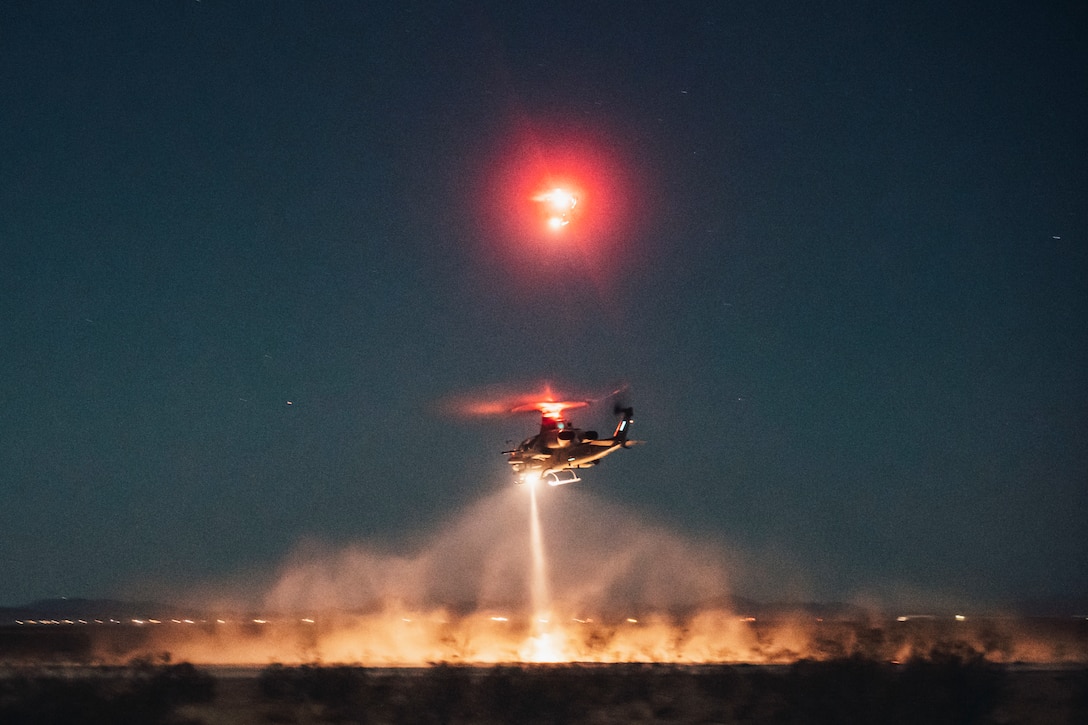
[(557, 452)]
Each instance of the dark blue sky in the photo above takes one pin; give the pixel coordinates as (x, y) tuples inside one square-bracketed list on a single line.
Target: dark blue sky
[(844, 273)]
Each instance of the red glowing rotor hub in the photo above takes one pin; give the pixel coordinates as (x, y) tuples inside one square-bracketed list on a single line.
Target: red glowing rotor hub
[(550, 409), (499, 402)]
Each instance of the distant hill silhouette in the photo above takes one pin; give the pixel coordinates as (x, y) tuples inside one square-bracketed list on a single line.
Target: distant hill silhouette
[(91, 609)]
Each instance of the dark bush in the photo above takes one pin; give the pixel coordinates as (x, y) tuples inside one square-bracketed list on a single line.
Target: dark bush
[(446, 693), (276, 682), (534, 694), (143, 695), (47, 700), (341, 693), (954, 685), (332, 685), (321, 685), (853, 689), (180, 684), (1078, 706), (440, 695)]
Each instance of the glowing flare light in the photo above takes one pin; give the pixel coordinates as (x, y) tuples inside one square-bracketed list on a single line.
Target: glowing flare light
[(559, 204)]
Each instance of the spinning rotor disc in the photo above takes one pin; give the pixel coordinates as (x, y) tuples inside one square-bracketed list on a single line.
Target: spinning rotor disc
[(549, 408)]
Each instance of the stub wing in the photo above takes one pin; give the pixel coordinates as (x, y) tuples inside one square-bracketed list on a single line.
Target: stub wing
[(607, 442)]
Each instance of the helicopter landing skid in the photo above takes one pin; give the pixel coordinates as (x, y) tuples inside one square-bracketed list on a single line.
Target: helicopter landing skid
[(559, 478)]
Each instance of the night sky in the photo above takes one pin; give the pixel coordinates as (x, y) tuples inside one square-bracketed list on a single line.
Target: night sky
[(835, 250)]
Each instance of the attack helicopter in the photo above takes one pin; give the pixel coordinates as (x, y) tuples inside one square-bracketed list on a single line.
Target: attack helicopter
[(557, 452)]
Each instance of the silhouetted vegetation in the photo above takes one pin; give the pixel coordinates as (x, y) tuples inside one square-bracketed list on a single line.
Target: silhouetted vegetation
[(142, 694), (953, 685), (331, 694), (945, 687), (1079, 700)]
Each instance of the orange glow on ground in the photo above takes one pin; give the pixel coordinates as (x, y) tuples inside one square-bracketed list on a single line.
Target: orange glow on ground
[(398, 638), (613, 587)]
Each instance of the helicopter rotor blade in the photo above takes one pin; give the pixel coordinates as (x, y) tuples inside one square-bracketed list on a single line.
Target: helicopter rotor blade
[(620, 401)]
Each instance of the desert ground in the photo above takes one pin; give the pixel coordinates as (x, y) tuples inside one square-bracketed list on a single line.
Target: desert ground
[(72, 674)]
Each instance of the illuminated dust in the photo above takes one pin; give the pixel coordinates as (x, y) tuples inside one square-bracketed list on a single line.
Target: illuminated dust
[(536, 574)]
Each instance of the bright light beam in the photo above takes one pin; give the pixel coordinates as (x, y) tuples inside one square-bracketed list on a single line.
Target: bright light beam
[(542, 645), (539, 586)]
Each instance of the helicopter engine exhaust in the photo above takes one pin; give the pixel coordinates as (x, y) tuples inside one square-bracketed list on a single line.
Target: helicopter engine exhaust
[(564, 438)]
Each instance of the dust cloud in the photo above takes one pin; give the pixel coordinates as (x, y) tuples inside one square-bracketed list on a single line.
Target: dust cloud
[(601, 559), (620, 588)]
